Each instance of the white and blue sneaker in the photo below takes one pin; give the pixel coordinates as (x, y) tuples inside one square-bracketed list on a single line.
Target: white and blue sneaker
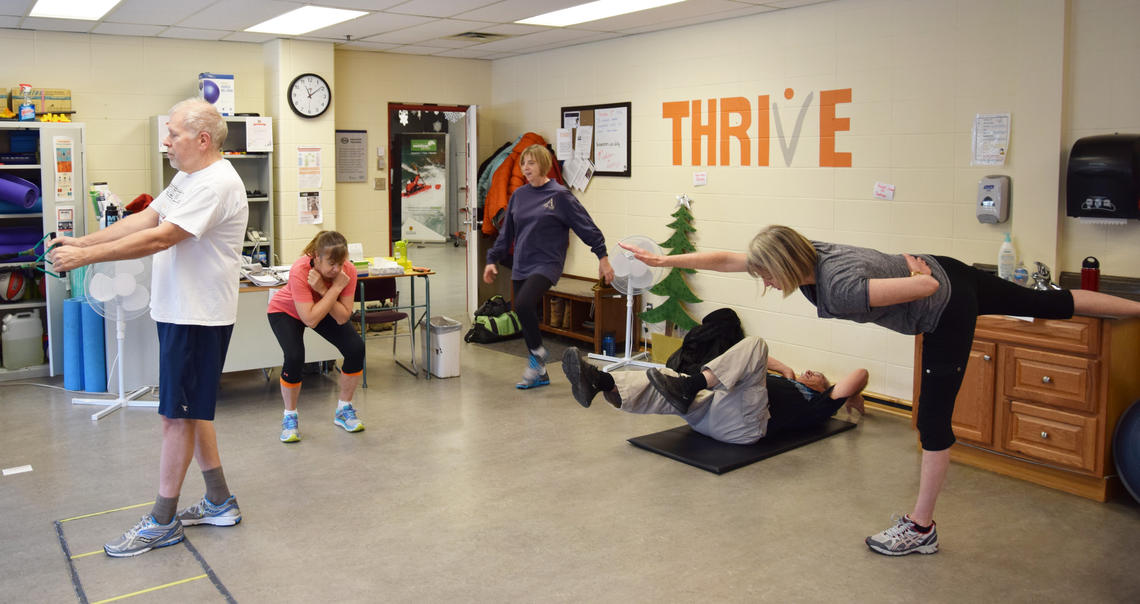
[(535, 373), (145, 536), (904, 538), (346, 418), (289, 428), (205, 511)]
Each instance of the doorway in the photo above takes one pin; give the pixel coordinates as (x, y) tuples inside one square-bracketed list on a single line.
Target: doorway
[(432, 151)]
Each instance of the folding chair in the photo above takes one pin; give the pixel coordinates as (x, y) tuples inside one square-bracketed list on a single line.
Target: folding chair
[(384, 290)]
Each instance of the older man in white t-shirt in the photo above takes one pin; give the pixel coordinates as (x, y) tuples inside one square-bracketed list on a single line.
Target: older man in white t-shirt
[(195, 230)]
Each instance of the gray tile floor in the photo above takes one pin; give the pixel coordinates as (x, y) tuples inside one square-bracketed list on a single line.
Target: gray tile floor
[(468, 490)]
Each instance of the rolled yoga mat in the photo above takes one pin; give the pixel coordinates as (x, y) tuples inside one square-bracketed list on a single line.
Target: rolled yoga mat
[(73, 344), (94, 358), (18, 195)]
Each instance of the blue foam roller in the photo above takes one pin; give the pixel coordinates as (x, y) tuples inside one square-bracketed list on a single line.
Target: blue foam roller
[(73, 344), (94, 357)]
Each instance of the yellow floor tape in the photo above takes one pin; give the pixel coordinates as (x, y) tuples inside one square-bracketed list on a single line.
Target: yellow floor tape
[(150, 589), (129, 507)]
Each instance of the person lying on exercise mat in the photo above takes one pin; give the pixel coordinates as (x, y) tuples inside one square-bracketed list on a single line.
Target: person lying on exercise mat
[(733, 399)]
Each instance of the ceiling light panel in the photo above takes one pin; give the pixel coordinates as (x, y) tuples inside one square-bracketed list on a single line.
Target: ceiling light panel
[(304, 20), (592, 11), (87, 10)]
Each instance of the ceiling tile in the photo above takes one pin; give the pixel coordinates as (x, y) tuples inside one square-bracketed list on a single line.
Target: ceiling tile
[(10, 21), (155, 13), (128, 29), (436, 8), (730, 14), (373, 46), (45, 24), (661, 14), (369, 5), (411, 49), (236, 16), (509, 11), (512, 29), (433, 29), (192, 34), (370, 25), (245, 36), (18, 8)]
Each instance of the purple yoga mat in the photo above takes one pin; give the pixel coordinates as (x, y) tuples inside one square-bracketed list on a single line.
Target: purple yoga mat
[(18, 239), (17, 192)]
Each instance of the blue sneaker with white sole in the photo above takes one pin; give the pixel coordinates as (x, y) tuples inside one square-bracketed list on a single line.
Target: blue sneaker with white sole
[(226, 513), (346, 418), (148, 534)]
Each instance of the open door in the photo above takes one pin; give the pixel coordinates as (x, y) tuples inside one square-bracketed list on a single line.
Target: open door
[(469, 214)]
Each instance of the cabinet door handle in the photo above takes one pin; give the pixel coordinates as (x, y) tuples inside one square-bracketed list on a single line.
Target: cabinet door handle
[(1046, 380), (1044, 434), (987, 358)]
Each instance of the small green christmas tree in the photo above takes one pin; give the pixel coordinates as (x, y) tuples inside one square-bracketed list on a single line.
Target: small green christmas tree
[(673, 286)]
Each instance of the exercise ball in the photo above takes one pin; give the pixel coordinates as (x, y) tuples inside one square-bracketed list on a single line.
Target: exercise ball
[(1126, 449), (12, 286), (210, 91)]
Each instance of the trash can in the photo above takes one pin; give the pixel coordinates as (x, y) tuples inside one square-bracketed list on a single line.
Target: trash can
[(443, 346)]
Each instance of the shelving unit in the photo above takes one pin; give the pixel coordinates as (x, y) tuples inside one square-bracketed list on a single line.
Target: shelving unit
[(605, 306), (254, 168), (43, 172)]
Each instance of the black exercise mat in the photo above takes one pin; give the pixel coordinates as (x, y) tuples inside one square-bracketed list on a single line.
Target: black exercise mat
[(685, 444)]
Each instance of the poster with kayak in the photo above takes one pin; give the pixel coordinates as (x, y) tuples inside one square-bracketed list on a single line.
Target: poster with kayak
[(423, 187)]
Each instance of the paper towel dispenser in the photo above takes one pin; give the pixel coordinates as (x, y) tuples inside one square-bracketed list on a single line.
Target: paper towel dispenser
[(1104, 177)]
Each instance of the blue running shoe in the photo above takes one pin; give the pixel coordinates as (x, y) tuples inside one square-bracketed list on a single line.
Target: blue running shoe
[(226, 513), (145, 536), (346, 418), (538, 380), (289, 428)]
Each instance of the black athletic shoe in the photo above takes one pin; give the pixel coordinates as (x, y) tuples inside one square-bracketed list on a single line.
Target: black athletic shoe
[(583, 377), (672, 388)]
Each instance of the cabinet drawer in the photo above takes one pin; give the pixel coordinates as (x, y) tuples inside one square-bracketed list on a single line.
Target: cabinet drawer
[(1048, 377), (1079, 334), (1052, 436)]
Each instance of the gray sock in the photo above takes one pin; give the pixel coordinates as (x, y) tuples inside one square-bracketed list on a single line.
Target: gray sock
[(216, 490), (164, 509)]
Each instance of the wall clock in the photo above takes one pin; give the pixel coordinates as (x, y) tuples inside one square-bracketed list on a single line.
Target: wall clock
[(309, 95)]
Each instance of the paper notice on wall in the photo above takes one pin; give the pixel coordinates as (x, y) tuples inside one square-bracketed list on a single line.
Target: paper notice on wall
[(578, 171), (612, 129), (309, 208), (308, 168), (351, 156), (565, 144), (883, 190), (991, 139), (258, 134), (583, 141), (570, 120), (64, 170)]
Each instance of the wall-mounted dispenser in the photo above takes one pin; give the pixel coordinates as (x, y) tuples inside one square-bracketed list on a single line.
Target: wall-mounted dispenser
[(1104, 177), (993, 199)]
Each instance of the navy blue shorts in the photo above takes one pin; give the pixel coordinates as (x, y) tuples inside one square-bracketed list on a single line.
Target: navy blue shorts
[(190, 360)]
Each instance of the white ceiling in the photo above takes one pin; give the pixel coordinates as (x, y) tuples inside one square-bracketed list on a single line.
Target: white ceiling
[(422, 27)]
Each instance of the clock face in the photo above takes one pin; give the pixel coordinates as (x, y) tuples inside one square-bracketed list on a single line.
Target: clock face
[(309, 95)]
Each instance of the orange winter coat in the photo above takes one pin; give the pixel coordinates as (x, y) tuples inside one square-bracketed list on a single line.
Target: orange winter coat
[(508, 177)]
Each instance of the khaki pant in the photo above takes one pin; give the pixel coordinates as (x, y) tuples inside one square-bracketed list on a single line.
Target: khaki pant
[(736, 411)]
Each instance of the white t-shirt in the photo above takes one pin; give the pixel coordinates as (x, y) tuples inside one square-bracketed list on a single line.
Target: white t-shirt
[(195, 282)]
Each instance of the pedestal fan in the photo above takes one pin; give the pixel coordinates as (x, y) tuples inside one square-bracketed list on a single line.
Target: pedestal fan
[(632, 277), (120, 291)]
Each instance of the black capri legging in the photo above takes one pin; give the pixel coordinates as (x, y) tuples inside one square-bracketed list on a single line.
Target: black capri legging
[(946, 350), (528, 293), (290, 333)]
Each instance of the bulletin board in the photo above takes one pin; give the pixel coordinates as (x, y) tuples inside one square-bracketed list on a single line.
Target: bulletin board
[(610, 122)]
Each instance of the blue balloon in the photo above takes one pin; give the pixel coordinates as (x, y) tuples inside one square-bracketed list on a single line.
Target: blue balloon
[(210, 91)]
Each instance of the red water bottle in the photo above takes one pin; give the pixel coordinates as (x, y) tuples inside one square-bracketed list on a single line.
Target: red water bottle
[(1090, 274)]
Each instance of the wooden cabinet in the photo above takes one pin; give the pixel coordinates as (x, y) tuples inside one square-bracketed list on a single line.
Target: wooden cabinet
[(1040, 399), (589, 314)]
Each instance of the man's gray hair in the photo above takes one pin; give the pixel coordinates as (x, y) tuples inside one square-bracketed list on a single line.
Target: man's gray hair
[(198, 115)]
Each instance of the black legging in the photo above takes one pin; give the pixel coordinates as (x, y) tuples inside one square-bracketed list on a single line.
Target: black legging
[(290, 334), (528, 293), (946, 350)]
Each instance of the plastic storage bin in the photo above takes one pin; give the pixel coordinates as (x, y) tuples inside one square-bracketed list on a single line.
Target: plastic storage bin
[(22, 340), (444, 346)]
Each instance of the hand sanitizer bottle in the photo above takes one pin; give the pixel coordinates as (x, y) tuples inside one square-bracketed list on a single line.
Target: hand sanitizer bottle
[(1007, 259)]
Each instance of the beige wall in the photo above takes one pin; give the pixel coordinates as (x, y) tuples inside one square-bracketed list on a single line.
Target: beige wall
[(367, 82), (1102, 96), (919, 72), (117, 83)]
